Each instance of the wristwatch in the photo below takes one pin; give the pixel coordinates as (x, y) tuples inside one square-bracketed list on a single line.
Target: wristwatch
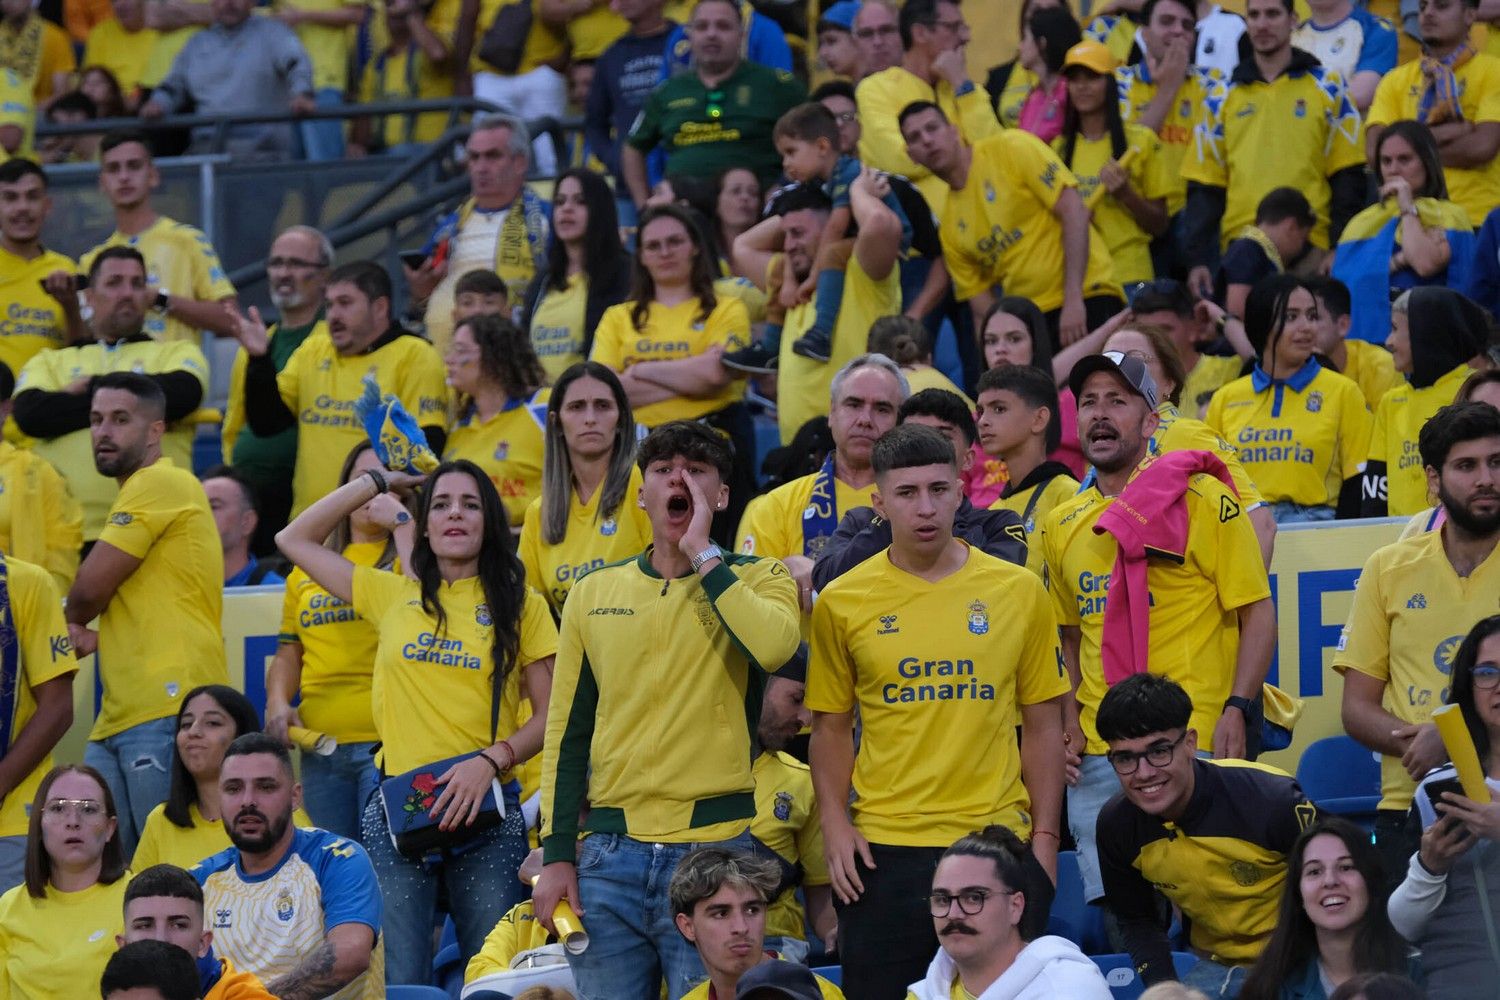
[(1245, 705), (712, 552), (162, 301)]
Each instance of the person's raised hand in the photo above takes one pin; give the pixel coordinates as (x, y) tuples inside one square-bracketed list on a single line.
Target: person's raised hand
[(249, 330), (1442, 843)]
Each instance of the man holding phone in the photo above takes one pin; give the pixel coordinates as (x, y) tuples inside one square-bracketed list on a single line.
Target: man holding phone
[(37, 284)]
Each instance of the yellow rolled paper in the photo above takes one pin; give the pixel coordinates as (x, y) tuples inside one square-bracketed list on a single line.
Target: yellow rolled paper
[(1460, 747), (1099, 192), (312, 741), (569, 928)]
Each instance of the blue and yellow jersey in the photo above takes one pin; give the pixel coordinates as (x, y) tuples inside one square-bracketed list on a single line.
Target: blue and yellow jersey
[(268, 923), (1203, 90), (786, 822)]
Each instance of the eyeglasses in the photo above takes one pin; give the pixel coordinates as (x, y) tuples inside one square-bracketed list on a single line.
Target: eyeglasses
[(869, 33), (846, 117), (970, 901), (1486, 676), (953, 26), (1160, 755), (86, 808), (294, 264)]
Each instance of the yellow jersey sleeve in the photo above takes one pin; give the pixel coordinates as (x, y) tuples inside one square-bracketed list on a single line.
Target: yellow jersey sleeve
[(184, 356), (289, 379), (289, 601), (145, 508), (376, 591), (1063, 605), (729, 324), (210, 283), (1222, 542), (1150, 171), (1034, 166), (1354, 431), (1365, 642), (502, 943), (881, 146), (830, 663), (234, 409), (38, 609), (529, 546), (610, 336)]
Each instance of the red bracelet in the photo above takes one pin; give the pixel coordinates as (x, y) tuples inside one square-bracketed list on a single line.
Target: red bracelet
[(510, 750), (1045, 833)]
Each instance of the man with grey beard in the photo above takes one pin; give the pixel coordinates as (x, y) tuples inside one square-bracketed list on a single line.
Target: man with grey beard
[(297, 272)]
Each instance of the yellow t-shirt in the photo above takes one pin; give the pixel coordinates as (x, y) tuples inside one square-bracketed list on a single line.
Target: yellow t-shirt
[(1179, 433), (406, 75), (772, 524), (786, 821), (998, 229), (1193, 619), (1203, 87), (180, 260), (1032, 505), (72, 454), (338, 653), (17, 107), (544, 44), (1209, 375), (33, 320), (1410, 613), (165, 843), (803, 385), (162, 518), (56, 947), (1372, 369), (826, 990), (1299, 441), (164, 53), (1393, 440), (320, 386), (588, 544), (672, 333), (1128, 244), (923, 661), (123, 53), (44, 654), (1399, 95), (40, 522), (557, 326), (327, 45), (595, 30), (435, 692), (517, 931), (509, 447), (928, 377), (1296, 131), (36, 53)]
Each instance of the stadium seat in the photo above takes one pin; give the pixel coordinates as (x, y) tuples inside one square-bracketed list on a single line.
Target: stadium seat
[(448, 970), (1072, 917), (1119, 972), (833, 973), (1342, 777), (414, 993)]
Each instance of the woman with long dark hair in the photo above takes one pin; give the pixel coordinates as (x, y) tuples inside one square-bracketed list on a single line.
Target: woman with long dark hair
[(587, 271), (57, 929), (458, 645), (326, 654), (587, 514), (1302, 430), (1125, 159), (1449, 904), (1414, 235), (1046, 36), (1332, 924)]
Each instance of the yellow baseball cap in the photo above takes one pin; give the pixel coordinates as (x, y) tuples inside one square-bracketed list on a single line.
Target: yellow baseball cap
[(1091, 55)]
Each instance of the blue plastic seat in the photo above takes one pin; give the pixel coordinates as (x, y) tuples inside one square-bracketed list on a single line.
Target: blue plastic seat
[(833, 973), (1072, 916), (1124, 983), (415, 993), (1342, 777)]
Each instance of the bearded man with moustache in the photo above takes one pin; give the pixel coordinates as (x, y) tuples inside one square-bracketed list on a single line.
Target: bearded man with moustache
[(297, 271), (1210, 623)]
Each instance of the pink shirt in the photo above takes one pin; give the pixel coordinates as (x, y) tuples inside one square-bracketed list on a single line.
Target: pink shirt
[(1042, 113)]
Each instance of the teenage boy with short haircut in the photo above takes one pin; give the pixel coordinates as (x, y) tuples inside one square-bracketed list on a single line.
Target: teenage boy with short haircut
[(1018, 424), (480, 292), (1370, 365), (660, 774), (928, 639), (1283, 222)]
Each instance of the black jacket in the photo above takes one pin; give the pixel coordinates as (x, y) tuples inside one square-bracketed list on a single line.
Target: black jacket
[(861, 534)]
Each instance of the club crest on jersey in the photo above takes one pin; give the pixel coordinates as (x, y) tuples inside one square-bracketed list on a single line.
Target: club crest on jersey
[(887, 625), (783, 807), (482, 615), (1442, 656), (120, 518), (1314, 402), (1186, 111), (609, 527), (989, 191), (979, 618), (1245, 873), (502, 450), (284, 908), (1300, 108)]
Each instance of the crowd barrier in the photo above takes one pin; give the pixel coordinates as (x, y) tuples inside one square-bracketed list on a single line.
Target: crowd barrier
[(1312, 578)]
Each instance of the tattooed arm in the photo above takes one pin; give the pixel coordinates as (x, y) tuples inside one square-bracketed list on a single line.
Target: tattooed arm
[(342, 957)]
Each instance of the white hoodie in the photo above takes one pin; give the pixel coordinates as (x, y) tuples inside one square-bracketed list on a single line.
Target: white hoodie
[(1049, 968)]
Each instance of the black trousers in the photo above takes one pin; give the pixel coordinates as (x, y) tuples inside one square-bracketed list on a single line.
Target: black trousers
[(1097, 309), (886, 937)]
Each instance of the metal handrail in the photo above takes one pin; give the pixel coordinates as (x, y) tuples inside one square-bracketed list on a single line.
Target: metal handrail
[(456, 105)]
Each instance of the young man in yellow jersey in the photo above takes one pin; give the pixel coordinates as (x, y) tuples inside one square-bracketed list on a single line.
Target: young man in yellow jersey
[(660, 775), (187, 281), (931, 639), (165, 903), (1370, 365), (1212, 836), (794, 521), (1437, 337), (53, 389), (316, 389), (36, 699), (719, 902), (157, 561), (1459, 101), (1413, 604), (1286, 122), (41, 296), (1014, 217), (1018, 424), (1212, 625)]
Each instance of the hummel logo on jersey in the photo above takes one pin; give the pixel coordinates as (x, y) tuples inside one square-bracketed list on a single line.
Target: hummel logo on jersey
[(887, 625), (1417, 601)]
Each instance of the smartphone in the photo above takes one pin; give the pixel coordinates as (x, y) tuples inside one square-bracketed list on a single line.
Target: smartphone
[(80, 282), (1436, 789), (413, 259)]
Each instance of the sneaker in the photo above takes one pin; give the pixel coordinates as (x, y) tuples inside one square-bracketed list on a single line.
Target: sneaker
[(752, 360), (815, 345)]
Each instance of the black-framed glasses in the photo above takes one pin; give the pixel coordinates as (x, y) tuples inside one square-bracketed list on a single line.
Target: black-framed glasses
[(1160, 755), (1486, 676), (294, 264), (869, 33), (970, 901)]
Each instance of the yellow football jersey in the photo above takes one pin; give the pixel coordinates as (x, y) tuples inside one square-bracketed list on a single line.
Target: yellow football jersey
[(1128, 244), (590, 542), (179, 260), (49, 946), (1202, 88), (32, 320), (508, 446), (1393, 440)]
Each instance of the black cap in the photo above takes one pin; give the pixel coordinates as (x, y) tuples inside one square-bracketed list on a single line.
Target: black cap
[(794, 669), (1130, 369), (775, 978)]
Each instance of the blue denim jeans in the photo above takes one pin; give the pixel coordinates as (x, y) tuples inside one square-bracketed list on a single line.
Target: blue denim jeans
[(482, 887), (12, 862), (1290, 512), (324, 139), (137, 766), (335, 788), (1220, 982), (634, 942)]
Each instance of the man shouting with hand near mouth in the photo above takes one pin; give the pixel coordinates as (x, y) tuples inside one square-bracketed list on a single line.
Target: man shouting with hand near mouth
[(660, 665)]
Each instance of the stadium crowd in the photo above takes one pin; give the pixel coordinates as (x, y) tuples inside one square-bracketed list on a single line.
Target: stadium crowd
[(1055, 314)]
